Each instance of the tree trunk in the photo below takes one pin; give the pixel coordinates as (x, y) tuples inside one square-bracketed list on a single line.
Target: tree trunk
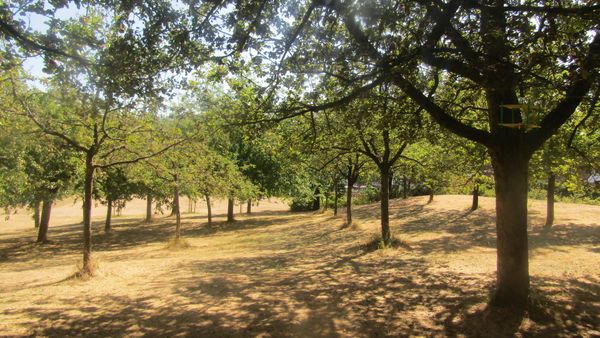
[(386, 234), (510, 174), (36, 214), (404, 187), (230, 204), (349, 201), (475, 203), (430, 196), (148, 208), (177, 209), (174, 208), (335, 200), (208, 208), (44, 221), (107, 224), (317, 200), (249, 207), (550, 200), (87, 213)]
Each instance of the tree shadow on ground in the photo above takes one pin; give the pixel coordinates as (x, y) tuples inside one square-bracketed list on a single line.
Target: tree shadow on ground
[(308, 278)]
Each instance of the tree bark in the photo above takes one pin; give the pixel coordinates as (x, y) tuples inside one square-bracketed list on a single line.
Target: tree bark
[(430, 196), (249, 207), (404, 187), (230, 204), (173, 209), (335, 200), (148, 208), (386, 234), (177, 209), (107, 224), (550, 200), (87, 213), (36, 214), (510, 174), (475, 203), (349, 199), (44, 221), (209, 210)]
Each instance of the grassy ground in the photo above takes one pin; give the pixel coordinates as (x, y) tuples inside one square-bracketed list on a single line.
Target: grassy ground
[(280, 274)]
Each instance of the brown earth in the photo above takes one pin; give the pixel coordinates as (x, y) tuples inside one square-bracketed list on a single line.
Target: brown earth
[(281, 274)]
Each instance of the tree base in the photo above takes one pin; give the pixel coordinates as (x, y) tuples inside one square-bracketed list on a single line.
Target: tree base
[(178, 243)]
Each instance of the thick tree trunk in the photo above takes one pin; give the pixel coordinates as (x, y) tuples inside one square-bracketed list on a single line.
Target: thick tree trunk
[(475, 203), (44, 221), (249, 207), (87, 213), (36, 214), (208, 208), (510, 174), (550, 200), (386, 234), (107, 224), (349, 201), (230, 204), (148, 208)]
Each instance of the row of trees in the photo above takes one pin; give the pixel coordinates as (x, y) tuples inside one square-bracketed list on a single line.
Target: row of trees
[(372, 69)]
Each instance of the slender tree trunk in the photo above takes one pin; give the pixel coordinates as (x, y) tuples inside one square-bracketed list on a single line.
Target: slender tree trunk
[(326, 202), (335, 200), (107, 224), (510, 174), (475, 203), (208, 208), (177, 209), (386, 234), (430, 196), (349, 201), (148, 208), (404, 187), (87, 213), (550, 200), (230, 204), (36, 214), (249, 207), (174, 209), (44, 221)]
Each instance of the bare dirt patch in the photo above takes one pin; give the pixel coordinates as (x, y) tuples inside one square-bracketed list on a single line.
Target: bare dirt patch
[(280, 274)]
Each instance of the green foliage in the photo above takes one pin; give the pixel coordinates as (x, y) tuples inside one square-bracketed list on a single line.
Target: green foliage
[(367, 195)]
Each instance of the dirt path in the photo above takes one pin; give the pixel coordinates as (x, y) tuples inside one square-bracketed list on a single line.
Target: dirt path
[(277, 274)]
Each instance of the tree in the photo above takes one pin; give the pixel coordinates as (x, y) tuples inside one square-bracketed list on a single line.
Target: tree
[(494, 47), (114, 187)]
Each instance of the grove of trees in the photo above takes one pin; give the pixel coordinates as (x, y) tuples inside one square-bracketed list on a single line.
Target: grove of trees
[(243, 100)]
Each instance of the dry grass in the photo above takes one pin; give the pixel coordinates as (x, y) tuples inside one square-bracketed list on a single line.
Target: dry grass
[(279, 274)]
